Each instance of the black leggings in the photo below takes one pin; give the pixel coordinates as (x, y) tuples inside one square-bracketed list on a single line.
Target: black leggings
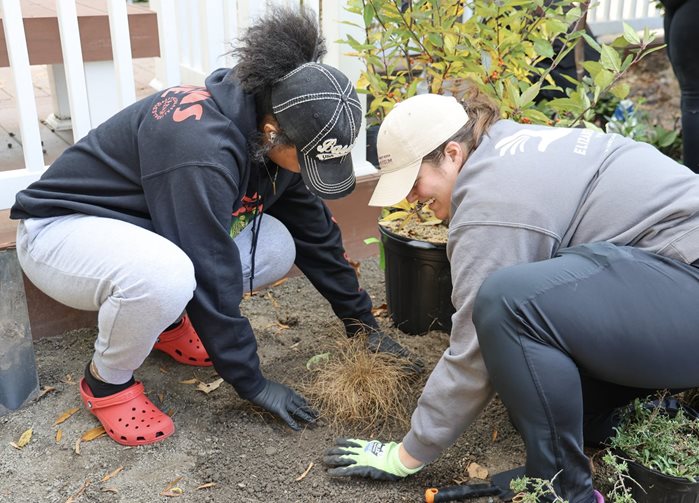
[(581, 333), (682, 38)]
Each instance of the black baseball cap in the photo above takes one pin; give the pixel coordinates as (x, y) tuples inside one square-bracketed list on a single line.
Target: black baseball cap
[(318, 108)]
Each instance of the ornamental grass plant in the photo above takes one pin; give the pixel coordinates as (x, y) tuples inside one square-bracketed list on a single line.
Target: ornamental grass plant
[(362, 390)]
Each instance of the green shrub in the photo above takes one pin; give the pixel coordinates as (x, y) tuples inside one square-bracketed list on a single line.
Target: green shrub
[(508, 48)]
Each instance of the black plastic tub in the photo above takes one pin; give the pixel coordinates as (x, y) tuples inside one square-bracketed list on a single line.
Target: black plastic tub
[(656, 487), (418, 284), (661, 488)]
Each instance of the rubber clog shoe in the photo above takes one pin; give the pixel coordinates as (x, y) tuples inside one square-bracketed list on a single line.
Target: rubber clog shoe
[(184, 345), (128, 417)]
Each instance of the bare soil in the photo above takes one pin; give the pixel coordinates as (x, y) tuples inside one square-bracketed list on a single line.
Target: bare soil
[(221, 439), (413, 229), (223, 449)]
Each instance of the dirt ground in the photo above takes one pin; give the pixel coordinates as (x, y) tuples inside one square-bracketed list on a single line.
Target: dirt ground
[(220, 439), (223, 449)]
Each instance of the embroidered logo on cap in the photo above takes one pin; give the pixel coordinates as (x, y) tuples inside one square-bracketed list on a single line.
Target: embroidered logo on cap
[(385, 160), (329, 149)]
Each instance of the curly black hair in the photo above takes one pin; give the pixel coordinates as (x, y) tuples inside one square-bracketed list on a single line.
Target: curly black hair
[(280, 41), (277, 43)]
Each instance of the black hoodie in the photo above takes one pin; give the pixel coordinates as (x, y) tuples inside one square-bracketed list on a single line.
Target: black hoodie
[(177, 163)]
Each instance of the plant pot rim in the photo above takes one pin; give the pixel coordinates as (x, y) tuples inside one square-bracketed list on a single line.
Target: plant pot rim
[(679, 480), (421, 243)]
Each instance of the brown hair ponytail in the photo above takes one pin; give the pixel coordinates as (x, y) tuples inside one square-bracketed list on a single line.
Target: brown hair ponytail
[(482, 112)]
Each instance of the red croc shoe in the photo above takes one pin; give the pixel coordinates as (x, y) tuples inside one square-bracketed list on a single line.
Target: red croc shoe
[(128, 416), (183, 344)]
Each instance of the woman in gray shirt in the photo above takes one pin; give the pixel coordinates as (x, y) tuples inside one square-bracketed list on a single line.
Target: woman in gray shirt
[(572, 258)]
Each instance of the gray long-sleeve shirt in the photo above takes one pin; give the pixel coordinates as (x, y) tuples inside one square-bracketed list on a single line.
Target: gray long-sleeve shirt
[(524, 194)]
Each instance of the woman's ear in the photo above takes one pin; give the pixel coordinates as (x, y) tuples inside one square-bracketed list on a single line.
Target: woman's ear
[(269, 128), (454, 151)]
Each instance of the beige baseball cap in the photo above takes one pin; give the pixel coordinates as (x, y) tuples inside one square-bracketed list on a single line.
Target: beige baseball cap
[(411, 130)]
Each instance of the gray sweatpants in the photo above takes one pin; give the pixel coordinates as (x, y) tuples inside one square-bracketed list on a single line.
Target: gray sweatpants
[(621, 318), (138, 281)]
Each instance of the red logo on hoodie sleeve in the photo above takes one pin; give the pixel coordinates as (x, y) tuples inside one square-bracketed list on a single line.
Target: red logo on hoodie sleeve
[(188, 106)]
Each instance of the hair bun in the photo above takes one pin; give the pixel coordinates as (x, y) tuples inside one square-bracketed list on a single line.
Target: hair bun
[(277, 43)]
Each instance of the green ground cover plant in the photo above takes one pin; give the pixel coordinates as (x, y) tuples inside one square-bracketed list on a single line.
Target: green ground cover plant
[(662, 441)]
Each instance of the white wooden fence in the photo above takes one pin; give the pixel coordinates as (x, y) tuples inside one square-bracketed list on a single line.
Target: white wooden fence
[(193, 41), (606, 16)]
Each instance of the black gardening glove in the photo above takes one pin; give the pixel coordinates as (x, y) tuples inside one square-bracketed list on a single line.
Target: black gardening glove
[(284, 402), (378, 342)]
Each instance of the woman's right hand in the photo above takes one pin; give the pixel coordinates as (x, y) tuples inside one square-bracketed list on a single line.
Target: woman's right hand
[(285, 403), (353, 457)]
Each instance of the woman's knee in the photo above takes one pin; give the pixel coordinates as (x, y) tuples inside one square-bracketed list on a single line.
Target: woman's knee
[(279, 246), (275, 252), (495, 300), (165, 282)]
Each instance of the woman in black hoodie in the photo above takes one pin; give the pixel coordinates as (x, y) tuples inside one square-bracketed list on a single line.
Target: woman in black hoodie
[(135, 221)]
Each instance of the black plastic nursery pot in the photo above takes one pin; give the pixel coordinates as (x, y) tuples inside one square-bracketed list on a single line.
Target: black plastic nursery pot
[(656, 487), (418, 284), (661, 488)]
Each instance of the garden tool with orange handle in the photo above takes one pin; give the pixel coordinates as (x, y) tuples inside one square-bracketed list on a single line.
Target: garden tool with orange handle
[(499, 486)]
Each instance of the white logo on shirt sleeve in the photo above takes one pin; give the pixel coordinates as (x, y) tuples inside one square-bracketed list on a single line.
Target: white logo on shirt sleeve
[(519, 139)]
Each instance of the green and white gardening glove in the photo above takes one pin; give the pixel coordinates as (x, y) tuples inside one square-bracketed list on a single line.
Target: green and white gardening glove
[(352, 457)]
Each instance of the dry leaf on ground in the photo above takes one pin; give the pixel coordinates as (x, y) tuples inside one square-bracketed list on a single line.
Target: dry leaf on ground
[(273, 300), (476, 471), (303, 475), (206, 486), (59, 435), (193, 380), (44, 390), (93, 434), (24, 439), (64, 417), (208, 388), (278, 325), (112, 474), (172, 490), (280, 282), (79, 492)]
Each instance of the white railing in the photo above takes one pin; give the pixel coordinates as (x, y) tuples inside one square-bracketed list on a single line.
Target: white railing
[(194, 37), (606, 16)]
